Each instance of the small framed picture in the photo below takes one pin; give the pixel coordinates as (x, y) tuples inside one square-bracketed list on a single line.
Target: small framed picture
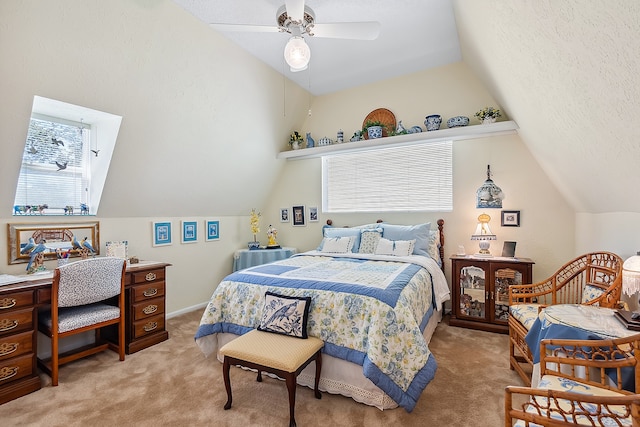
[(298, 215), (189, 232), (510, 218), (313, 214), (284, 214), (161, 233), (118, 249), (212, 228)]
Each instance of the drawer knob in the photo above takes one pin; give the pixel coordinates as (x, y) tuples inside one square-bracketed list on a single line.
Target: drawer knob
[(7, 303), (150, 326), (8, 348), (150, 277), (151, 308), (8, 324), (8, 372), (150, 292)]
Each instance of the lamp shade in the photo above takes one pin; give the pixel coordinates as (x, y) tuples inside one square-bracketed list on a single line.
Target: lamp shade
[(297, 54), (483, 234), (631, 275)]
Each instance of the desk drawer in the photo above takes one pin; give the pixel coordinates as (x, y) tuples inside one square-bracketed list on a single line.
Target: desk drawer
[(146, 291), (16, 345), (148, 326), (145, 309), (16, 368), (148, 276), (16, 321), (16, 300)]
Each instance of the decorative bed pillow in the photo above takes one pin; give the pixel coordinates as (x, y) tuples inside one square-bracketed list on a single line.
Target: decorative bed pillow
[(395, 247), (285, 315), (369, 239), (338, 245), (434, 246), (343, 232), (419, 232)]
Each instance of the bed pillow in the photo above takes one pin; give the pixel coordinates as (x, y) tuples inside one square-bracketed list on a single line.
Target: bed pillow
[(369, 239), (338, 245), (343, 232), (285, 315), (419, 232), (395, 247)]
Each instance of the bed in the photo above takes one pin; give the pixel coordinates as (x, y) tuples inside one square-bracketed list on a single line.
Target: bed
[(376, 295)]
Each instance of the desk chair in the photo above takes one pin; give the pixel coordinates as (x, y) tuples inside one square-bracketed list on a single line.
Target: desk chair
[(85, 295)]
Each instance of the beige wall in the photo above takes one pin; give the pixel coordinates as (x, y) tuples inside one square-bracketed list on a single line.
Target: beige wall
[(546, 234)]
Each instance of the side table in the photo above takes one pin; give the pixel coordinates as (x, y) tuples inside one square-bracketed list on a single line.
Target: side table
[(245, 258)]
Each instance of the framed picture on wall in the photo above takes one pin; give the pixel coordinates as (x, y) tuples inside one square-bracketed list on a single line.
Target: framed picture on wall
[(284, 214), (510, 219), (161, 233), (313, 214), (298, 215), (212, 230), (189, 232)]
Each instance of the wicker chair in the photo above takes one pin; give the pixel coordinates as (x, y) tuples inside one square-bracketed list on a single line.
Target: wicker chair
[(593, 278), (576, 387)]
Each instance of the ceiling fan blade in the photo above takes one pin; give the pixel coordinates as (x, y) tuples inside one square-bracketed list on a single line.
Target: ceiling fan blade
[(246, 28), (295, 9), (348, 30)]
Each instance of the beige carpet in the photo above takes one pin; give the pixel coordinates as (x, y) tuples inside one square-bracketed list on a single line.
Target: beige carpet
[(173, 384)]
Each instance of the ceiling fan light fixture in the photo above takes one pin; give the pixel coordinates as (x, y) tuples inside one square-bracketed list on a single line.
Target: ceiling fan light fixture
[(297, 53)]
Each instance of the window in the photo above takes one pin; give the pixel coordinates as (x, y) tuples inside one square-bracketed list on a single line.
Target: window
[(63, 165), (409, 178)]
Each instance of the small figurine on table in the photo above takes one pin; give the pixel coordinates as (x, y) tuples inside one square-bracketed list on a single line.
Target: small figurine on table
[(272, 233)]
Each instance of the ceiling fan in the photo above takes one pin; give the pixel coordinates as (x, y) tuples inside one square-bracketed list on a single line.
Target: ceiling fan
[(297, 19)]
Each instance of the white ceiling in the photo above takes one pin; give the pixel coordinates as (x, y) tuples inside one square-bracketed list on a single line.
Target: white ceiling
[(414, 35)]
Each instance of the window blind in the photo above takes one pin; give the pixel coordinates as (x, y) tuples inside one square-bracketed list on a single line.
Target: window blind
[(409, 178)]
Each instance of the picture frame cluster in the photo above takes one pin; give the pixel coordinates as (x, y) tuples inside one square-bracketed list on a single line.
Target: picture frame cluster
[(299, 215), (162, 231)]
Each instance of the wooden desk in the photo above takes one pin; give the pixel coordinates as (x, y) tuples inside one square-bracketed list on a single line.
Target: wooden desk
[(19, 303)]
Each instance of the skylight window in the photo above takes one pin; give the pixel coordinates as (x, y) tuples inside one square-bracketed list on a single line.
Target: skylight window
[(65, 160)]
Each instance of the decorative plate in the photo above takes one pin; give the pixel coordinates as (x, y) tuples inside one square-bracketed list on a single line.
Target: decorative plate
[(384, 116)]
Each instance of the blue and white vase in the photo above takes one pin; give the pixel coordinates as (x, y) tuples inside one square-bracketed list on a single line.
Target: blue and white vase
[(253, 245), (432, 122), (374, 132)]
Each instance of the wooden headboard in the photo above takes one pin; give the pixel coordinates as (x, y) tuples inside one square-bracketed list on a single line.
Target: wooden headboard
[(440, 223)]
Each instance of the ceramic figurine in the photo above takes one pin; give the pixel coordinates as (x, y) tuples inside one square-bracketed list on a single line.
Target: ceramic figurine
[(310, 141), (400, 128), (432, 122), (340, 138)]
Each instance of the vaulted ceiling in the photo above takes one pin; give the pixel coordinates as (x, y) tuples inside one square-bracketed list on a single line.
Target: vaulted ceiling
[(566, 72)]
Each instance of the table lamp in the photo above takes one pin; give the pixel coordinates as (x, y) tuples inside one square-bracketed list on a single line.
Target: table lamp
[(484, 235), (631, 275)]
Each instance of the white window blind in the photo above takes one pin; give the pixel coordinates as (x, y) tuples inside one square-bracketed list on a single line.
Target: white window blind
[(410, 178)]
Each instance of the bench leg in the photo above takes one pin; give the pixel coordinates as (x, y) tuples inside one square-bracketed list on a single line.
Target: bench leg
[(291, 387), (318, 369), (259, 378), (227, 382)]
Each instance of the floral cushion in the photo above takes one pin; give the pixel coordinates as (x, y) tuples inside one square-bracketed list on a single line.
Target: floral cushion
[(552, 382), (591, 292), (369, 239), (285, 315), (526, 314)]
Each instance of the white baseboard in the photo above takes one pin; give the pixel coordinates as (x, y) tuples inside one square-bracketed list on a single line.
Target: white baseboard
[(187, 310)]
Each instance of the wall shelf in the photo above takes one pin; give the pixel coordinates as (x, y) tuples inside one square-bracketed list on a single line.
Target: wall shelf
[(449, 134)]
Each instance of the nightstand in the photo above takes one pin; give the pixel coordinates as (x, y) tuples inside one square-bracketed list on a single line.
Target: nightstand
[(480, 290), (245, 258)]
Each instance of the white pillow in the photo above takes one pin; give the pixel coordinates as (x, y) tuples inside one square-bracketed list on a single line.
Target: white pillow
[(395, 247), (337, 244)]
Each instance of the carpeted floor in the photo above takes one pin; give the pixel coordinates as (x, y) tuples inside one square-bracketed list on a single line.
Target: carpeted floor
[(172, 384)]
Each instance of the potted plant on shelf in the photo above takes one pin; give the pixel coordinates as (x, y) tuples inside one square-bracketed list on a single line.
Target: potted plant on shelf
[(488, 115), (373, 128), (295, 140)]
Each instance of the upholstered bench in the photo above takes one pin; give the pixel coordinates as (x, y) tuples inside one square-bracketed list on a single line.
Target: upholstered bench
[(281, 355)]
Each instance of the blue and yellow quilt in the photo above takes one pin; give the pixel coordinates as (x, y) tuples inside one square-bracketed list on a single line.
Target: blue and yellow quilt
[(370, 311)]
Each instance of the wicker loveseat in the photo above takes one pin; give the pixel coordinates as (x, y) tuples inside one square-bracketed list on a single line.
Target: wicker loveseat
[(581, 384), (594, 278)]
